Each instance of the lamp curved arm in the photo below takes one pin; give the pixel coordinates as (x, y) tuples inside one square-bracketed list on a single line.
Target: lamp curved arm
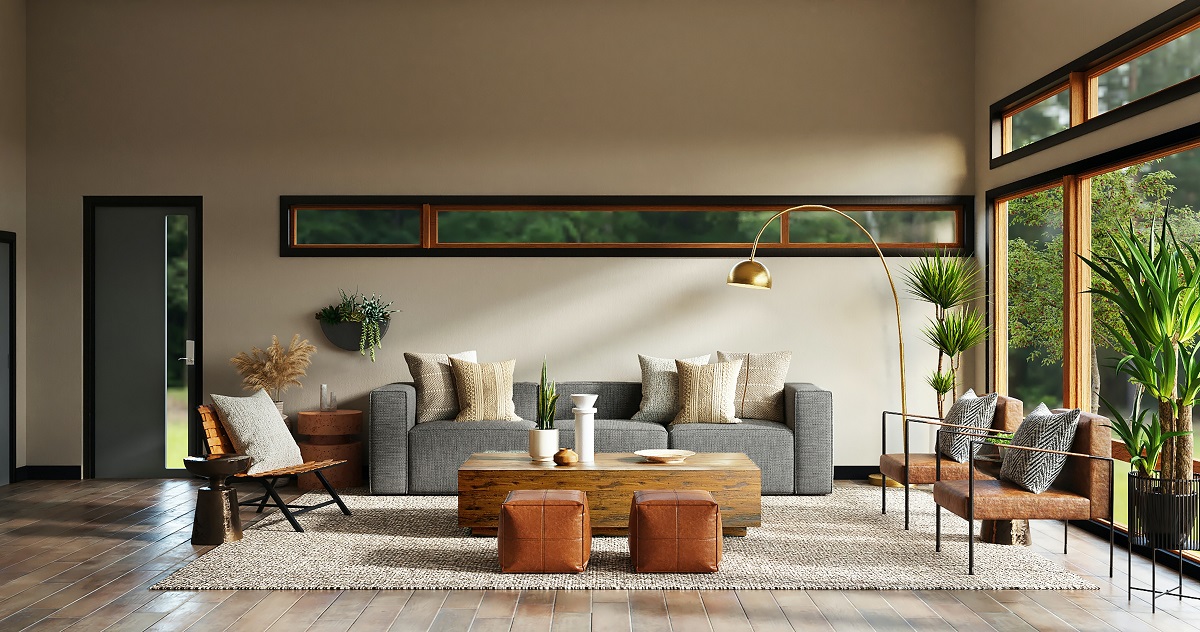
[(886, 270)]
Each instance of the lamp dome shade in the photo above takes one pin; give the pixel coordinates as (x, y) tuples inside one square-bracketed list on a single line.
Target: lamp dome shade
[(750, 273)]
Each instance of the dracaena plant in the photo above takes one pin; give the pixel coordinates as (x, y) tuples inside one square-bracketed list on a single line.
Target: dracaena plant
[(948, 283), (1154, 285), (547, 398), (1143, 439)]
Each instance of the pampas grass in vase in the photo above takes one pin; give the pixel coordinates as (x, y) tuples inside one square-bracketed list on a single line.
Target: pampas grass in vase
[(274, 369)]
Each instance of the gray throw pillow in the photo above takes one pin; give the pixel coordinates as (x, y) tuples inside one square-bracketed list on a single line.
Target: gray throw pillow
[(969, 410), (256, 430), (660, 384), (1036, 471), (437, 398)]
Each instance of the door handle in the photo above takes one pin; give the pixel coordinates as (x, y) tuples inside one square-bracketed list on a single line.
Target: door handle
[(189, 351)]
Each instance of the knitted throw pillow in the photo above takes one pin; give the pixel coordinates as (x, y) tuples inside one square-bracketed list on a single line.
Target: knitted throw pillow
[(485, 391), (436, 397), (760, 383), (969, 410), (256, 430), (659, 388), (1036, 471), (706, 392)]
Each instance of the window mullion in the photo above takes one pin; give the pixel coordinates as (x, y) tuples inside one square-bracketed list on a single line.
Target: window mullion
[(1077, 306)]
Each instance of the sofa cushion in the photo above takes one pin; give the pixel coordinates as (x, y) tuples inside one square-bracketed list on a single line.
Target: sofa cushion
[(760, 383), (617, 435), (660, 384), (485, 391), (769, 444), (706, 392), (436, 395), (437, 448), (617, 400)]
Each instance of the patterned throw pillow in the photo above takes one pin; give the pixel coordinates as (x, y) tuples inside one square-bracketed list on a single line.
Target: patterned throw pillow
[(485, 391), (969, 410), (436, 397), (706, 392), (659, 390), (760, 383), (1036, 471), (256, 430)]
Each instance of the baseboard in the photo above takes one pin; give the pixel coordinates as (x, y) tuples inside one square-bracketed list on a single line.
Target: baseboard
[(853, 472), (48, 473)]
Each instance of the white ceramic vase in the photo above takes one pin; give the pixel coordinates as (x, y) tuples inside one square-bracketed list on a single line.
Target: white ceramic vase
[(542, 445), (585, 427)]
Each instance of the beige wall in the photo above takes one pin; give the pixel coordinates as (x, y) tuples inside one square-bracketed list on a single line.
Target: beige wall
[(12, 175), (243, 101)]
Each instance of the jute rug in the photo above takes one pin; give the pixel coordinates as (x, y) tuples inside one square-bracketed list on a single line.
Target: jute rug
[(840, 541)]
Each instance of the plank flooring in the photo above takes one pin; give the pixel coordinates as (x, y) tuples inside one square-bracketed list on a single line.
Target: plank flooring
[(81, 555)]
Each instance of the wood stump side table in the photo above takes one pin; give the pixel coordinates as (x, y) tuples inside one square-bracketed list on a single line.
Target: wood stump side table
[(331, 434)]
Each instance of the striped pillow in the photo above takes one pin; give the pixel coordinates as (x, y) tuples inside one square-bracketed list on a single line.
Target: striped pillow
[(485, 391), (1036, 471), (436, 397), (706, 392), (969, 410)]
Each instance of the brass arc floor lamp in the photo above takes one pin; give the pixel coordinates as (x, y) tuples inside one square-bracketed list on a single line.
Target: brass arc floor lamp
[(753, 274)]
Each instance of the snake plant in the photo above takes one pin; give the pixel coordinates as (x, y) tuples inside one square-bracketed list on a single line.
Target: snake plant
[(547, 398)]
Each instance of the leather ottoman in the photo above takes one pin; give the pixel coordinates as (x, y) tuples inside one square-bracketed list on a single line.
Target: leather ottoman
[(544, 531), (674, 531)]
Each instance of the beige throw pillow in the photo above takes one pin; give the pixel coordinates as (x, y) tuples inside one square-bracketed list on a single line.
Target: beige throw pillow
[(485, 391), (760, 383), (659, 388), (256, 430), (436, 397), (706, 392)]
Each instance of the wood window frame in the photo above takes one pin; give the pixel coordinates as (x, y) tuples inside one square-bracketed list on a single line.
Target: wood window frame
[(432, 206), (1080, 77)]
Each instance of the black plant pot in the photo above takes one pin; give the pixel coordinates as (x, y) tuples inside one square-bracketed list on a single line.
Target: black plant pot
[(1163, 513), (348, 335)]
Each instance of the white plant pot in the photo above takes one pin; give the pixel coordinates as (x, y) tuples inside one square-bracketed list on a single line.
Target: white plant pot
[(542, 445)]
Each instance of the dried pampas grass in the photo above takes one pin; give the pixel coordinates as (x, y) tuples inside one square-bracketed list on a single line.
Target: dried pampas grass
[(276, 368)]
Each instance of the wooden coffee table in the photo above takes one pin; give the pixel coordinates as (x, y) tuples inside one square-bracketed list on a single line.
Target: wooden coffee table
[(485, 479)]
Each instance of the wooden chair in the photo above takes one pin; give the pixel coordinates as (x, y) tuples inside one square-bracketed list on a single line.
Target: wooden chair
[(218, 444), (922, 468), (1083, 491)]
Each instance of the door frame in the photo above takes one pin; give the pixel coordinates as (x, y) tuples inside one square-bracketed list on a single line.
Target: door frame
[(195, 305), (10, 238)]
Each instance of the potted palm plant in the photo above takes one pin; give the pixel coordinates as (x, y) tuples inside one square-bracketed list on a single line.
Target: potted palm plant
[(948, 283), (1153, 282), (543, 440)]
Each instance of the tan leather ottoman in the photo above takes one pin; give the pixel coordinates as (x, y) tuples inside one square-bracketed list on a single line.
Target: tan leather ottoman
[(674, 531), (544, 531)]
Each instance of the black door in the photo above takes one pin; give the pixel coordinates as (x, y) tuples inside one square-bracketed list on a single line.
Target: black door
[(141, 335), (8, 348)]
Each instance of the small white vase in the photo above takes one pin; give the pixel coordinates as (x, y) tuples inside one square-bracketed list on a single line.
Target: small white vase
[(542, 445)]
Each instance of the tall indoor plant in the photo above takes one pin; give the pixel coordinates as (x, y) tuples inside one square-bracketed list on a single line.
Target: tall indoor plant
[(948, 283)]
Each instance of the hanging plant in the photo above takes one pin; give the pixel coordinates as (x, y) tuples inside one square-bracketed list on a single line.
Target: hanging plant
[(368, 317)]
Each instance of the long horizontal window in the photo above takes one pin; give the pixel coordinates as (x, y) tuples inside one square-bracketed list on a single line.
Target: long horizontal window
[(339, 226), (1149, 66)]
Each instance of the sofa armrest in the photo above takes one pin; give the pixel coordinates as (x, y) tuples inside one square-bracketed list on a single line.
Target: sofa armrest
[(808, 411), (393, 414)]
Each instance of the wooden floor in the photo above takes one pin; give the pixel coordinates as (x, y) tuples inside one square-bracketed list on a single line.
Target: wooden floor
[(80, 555)]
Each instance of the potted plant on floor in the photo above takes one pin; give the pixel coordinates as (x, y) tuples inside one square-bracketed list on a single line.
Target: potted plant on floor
[(356, 322), (1153, 282), (275, 368), (543, 440)]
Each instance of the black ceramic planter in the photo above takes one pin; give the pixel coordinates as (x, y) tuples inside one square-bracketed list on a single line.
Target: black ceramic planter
[(347, 335), (1163, 513)]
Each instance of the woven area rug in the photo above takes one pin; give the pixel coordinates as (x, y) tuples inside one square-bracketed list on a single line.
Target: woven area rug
[(840, 541)]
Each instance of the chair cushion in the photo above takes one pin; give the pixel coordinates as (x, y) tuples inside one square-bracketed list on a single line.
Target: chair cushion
[(256, 429), (706, 392), (1036, 471), (922, 468), (436, 396), (969, 410), (485, 391), (617, 435), (769, 444), (437, 448), (1002, 500), (760, 383), (660, 381)]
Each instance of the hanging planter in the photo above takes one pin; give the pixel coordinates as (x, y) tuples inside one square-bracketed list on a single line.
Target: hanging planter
[(356, 322)]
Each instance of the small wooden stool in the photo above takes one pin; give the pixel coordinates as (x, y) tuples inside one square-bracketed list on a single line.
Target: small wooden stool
[(216, 520), (544, 531), (674, 531)]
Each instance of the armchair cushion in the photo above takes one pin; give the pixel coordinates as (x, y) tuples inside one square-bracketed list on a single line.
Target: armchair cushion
[(969, 410), (1036, 471), (256, 429), (1002, 500)]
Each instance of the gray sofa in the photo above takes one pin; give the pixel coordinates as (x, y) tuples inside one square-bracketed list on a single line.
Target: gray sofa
[(796, 457)]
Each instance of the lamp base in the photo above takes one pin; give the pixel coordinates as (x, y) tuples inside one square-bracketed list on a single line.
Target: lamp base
[(877, 480)]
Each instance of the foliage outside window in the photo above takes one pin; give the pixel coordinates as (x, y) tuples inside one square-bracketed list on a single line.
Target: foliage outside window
[(1038, 120)]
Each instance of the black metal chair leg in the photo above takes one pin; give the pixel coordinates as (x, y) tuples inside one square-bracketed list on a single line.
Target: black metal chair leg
[(883, 490), (970, 547), (287, 513), (263, 504), (906, 490), (329, 488), (937, 521), (1066, 530)]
